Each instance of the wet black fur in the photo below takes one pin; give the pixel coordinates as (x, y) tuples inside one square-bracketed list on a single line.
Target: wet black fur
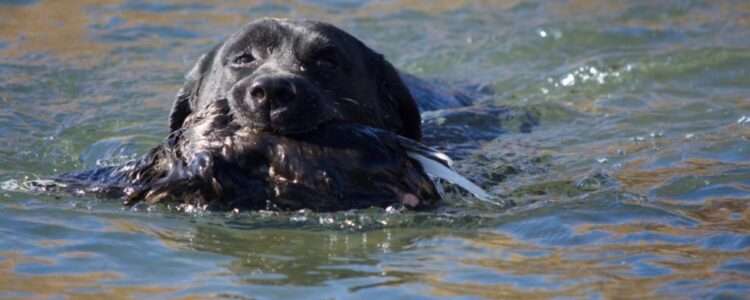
[(214, 162), (333, 144)]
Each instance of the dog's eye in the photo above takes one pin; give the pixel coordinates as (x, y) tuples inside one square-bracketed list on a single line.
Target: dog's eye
[(326, 63), (326, 59), (243, 59)]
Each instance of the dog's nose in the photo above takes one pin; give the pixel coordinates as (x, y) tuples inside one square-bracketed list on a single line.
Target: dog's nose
[(276, 91)]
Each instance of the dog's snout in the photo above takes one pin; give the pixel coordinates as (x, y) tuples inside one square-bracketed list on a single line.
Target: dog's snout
[(277, 100), (274, 90)]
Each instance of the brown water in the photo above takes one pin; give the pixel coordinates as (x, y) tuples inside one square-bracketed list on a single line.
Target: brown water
[(634, 184)]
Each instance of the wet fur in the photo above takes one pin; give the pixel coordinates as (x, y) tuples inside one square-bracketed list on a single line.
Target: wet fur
[(344, 151), (365, 89), (347, 144), (213, 162)]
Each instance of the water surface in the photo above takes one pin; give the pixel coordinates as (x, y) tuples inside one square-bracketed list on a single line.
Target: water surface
[(619, 129)]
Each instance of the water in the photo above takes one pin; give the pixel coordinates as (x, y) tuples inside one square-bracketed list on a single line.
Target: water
[(634, 184)]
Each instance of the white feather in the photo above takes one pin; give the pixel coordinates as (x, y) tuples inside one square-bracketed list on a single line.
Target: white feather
[(440, 170)]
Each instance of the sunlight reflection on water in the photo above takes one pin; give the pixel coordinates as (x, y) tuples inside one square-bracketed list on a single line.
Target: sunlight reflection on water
[(634, 184)]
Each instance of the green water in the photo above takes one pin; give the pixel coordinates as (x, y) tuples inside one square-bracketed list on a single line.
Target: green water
[(635, 183)]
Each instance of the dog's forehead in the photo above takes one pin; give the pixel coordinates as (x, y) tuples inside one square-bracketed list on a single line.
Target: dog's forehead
[(292, 35), (276, 33)]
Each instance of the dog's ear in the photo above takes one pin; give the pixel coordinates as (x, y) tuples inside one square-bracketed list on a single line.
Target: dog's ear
[(397, 97), (183, 104)]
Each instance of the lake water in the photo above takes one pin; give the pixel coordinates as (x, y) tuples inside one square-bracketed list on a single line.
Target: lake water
[(623, 156)]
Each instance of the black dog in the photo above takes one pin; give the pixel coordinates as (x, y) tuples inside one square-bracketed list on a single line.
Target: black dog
[(289, 77), (286, 115)]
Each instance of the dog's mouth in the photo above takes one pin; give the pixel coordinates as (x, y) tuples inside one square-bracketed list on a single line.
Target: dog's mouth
[(283, 120), (298, 127)]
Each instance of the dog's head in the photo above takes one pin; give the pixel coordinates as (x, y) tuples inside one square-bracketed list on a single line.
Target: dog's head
[(288, 77)]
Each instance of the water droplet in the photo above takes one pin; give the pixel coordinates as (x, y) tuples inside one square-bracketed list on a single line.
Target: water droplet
[(10, 185), (298, 218), (326, 220), (568, 80)]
